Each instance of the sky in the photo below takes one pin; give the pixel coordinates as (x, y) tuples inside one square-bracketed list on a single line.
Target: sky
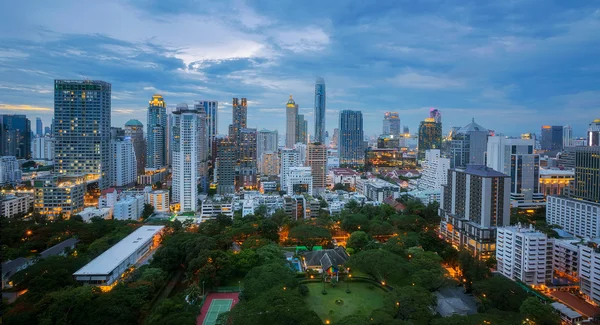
[(511, 65)]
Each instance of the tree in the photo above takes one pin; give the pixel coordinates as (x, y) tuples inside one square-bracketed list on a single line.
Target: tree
[(472, 269), (501, 293), (193, 294), (412, 303), (426, 269), (148, 211), (541, 314), (358, 240), (67, 306), (310, 236), (380, 264), (355, 222), (173, 311), (262, 278), (158, 185)]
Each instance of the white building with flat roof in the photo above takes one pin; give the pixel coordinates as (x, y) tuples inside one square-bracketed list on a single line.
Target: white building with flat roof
[(159, 199), (299, 181), (105, 270), (129, 207), (578, 217), (14, 205), (88, 213)]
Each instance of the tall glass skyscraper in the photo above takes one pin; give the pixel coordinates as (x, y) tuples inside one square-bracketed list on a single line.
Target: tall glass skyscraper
[(430, 136), (39, 127), (320, 104), (211, 108), (15, 136), (82, 129), (239, 118), (351, 141), (135, 130), (156, 143), (391, 124), (552, 137)]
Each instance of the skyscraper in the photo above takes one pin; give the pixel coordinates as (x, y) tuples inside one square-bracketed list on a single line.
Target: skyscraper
[(320, 105), (211, 108), (188, 125), (430, 136), (316, 159), (301, 129), (336, 137), (475, 201), (240, 118), (391, 124), (200, 109), (134, 129), (351, 147), (247, 169), (552, 137), (266, 141), (468, 145), (587, 173), (15, 136), (516, 158), (123, 165), (291, 116), (435, 114), (82, 129), (593, 133), (39, 127), (225, 166), (567, 137), (156, 144)]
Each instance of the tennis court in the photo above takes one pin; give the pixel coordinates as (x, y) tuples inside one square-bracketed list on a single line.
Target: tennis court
[(217, 306)]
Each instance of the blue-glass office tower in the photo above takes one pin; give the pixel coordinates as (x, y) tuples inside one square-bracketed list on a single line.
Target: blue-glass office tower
[(82, 129), (156, 134), (39, 128), (351, 144), (15, 136), (211, 108), (320, 97)]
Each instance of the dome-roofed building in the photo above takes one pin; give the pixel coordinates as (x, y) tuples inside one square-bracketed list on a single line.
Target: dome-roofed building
[(468, 145), (134, 123)]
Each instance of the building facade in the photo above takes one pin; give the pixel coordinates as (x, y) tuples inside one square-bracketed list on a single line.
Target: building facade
[(291, 123), (468, 145), (320, 107), (351, 146), (10, 173), (211, 109), (391, 124), (225, 166), (134, 130), (58, 197), (552, 137), (289, 158), (475, 201), (239, 118), (593, 133), (299, 181), (15, 205), (270, 164), (43, 148), (587, 173), (430, 136), (266, 141), (523, 254), (15, 136), (247, 170), (301, 129), (578, 217), (554, 180), (567, 137), (159, 199), (316, 159), (123, 162), (435, 171)]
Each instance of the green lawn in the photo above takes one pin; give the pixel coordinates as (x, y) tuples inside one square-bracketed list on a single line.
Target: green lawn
[(361, 300)]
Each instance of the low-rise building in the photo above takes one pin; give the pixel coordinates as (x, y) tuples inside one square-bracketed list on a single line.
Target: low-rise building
[(14, 205), (159, 199), (55, 197), (88, 213), (212, 207), (10, 173), (578, 217), (129, 207), (113, 265), (345, 176), (329, 261), (554, 180), (377, 189), (299, 181), (268, 186), (295, 206)]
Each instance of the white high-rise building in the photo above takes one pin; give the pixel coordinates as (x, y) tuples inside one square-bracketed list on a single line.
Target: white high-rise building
[(300, 181), (43, 148), (516, 158), (123, 163), (211, 109), (567, 136), (289, 159), (578, 217), (523, 254), (204, 134), (435, 171), (188, 125), (9, 170)]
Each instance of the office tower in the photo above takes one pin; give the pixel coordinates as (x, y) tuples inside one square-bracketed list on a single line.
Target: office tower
[(468, 145), (291, 116), (82, 129), (47, 131), (134, 130), (299, 181), (247, 169), (351, 147), (156, 133), (43, 148), (391, 124), (56, 197), (123, 162), (9, 170), (552, 137), (211, 108), (240, 118), (435, 171), (289, 159), (474, 202), (435, 114), (269, 163), (567, 136), (316, 159), (15, 136), (336, 137), (516, 158), (320, 104), (204, 152), (301, 149), (522, 254), (593, 133), (39, 127), (430, 136), (301, 129), (188, 148), (225, 166), (267, 141), (169, 140), (406, 131), (587, 173)]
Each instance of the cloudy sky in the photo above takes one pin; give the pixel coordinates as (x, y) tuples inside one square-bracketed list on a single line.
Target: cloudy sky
[(512, 65)]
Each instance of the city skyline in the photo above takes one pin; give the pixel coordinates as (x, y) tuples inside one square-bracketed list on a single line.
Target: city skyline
[(478, 70)]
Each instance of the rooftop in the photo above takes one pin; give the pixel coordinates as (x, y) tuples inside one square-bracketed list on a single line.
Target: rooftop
[(556, 171), (109, 260), (133, 122), (344, 171), (563, 309), (59, 248), (483, 171), (472, 127)]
